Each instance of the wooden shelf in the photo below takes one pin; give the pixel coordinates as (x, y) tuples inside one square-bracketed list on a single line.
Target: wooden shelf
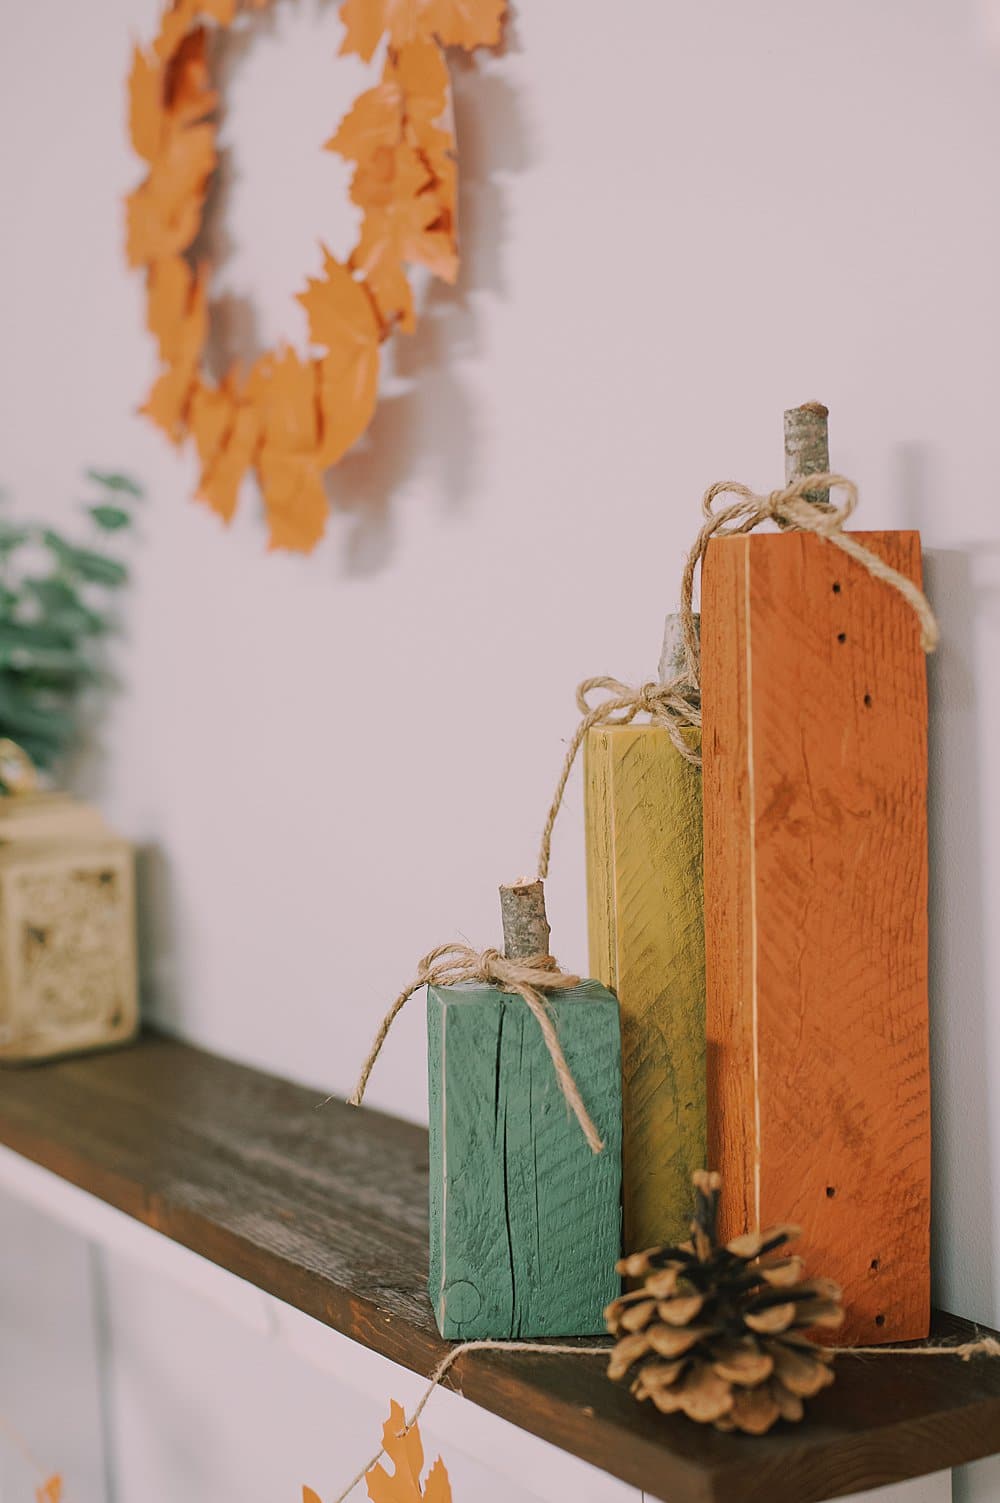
[(327, 1211)]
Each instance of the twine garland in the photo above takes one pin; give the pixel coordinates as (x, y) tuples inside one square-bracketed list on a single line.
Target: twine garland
[(676, 704), (983, 1346), (450, 965)]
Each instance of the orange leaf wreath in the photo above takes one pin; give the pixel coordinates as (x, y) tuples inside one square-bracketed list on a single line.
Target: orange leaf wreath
[(290, 418)]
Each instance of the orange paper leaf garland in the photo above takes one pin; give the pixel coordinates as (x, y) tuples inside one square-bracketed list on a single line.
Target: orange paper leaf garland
[(292, 418)]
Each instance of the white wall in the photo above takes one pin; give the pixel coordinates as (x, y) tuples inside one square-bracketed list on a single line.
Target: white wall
[(678, 220)]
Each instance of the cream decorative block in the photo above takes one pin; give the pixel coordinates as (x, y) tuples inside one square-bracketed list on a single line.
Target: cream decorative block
[(67, 931)]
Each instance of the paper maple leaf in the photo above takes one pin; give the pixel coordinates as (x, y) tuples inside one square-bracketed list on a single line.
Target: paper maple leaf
[(145, 108), (164, 212), (167, 403), (406, 1452), (400, 224), (367, 21), (187, 96), (285, 391), (414, 88), (227, 450), (466, 23), (343, 318), (457, 23), (179, 18)]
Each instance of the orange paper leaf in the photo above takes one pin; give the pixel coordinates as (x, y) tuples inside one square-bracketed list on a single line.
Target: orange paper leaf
[(422, 74), (50, 1490), (375, 120), (211, 414), (397, 229), (405, 1450), (308, 1496), (176, 22), (145, 111), (220, 481), (187, 96), (167, 403), (284, 388), (169, 298), (342, 317), (164, 212), (367, 21), (294, 499), (465, 23)]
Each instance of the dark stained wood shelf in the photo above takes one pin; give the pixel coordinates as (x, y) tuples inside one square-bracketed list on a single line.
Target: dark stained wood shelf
[(327, 1210)]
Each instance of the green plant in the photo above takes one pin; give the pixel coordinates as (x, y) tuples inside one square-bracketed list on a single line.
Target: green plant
[(55, 598)]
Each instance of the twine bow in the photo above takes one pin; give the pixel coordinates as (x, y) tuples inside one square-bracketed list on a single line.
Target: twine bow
[(676, 703), (671, 705), (450, 965), (790, 509)]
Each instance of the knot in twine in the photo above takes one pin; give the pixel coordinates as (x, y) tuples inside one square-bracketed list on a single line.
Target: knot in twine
[(676, 703), (450, 965), (791, 509), (671, 705)]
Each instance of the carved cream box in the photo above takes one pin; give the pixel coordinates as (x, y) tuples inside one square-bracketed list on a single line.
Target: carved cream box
[(67, 930)]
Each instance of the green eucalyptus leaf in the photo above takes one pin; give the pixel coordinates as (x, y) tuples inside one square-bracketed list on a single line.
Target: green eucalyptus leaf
[(45, 634), (96, 568), (62, 609), (20, 716), (28, 657), (113, 481), (110, 518), (12, 536)]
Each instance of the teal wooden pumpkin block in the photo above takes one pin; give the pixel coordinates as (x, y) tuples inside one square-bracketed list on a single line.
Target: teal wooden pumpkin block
[(525, 1218)]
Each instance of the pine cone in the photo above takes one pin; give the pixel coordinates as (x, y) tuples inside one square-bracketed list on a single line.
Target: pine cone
[(717, 1332)]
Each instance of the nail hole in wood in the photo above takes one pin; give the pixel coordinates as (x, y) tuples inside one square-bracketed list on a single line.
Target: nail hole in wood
[(830, 1191), (880, 1320), (868, 701), (842, 636), (836, 588), (874, 1265)]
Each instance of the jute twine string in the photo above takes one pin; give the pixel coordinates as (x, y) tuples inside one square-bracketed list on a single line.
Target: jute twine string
[(543, 1348), (984, 1346), (451, 964), (676, 704)]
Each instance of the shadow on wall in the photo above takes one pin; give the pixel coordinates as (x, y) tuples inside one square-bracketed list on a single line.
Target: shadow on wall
[(965, 1180), (426, 420)]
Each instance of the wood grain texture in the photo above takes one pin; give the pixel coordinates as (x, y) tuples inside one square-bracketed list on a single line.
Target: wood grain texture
[(647, 942), (815, 727), (327, 1210), (525, 1219)]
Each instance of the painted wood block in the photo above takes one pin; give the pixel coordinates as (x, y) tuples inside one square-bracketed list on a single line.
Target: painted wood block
[(525, 1219), (815, 777), (647, 943)]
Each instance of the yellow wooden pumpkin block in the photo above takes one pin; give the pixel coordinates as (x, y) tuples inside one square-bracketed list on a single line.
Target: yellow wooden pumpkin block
[(647, 943)]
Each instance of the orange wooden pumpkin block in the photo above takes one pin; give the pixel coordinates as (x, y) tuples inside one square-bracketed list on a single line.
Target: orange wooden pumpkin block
[(815, 775)]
